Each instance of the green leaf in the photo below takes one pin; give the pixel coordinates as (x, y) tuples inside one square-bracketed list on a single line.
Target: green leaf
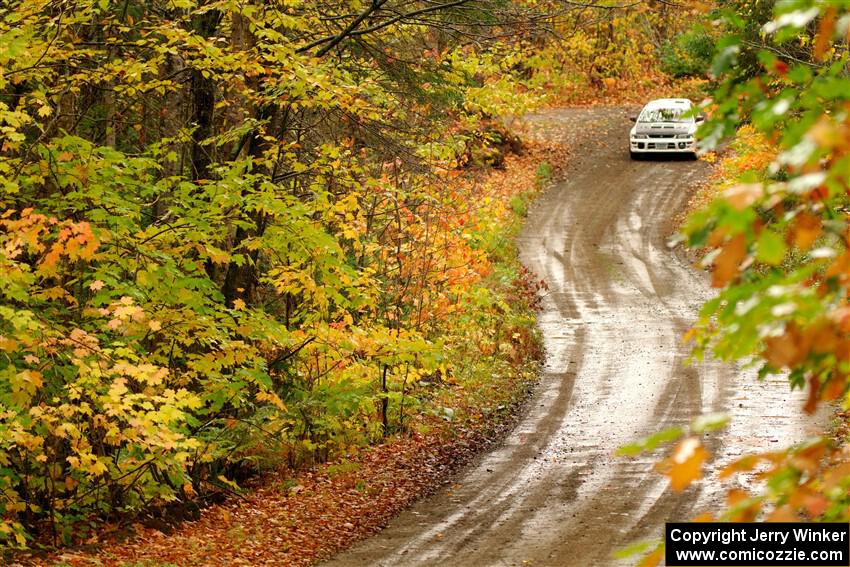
[(709, 422), (651, 442), (635, 549), (771, 248)]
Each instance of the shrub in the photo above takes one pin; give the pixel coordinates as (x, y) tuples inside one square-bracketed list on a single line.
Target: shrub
[(688, 55)]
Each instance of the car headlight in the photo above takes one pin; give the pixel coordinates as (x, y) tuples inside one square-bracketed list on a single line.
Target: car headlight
[(684, 136), (640, 136)]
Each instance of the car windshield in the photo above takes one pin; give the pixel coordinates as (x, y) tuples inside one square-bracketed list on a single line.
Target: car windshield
[(664, 115)]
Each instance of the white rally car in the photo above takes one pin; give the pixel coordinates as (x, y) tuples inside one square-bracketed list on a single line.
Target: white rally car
[(665, 125)]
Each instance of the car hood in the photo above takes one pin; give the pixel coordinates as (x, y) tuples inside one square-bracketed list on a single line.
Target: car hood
[(669, 128)]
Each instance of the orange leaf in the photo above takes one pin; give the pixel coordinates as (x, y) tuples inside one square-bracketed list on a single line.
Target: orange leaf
[(824, 133), (745, 511), (835, 476), (834, 388), (736, 496), (727, 262), (805, 230), (781, 351), (824, 337), (716, 237), (814, 390), (783, 514), (744, 464), (807, 459), (652, 559), (781, 67), (813, 503), (825, 31), (743, 195), (685, 464), (49, 261)]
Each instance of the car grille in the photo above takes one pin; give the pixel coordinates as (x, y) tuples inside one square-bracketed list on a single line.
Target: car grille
[(664, 146)]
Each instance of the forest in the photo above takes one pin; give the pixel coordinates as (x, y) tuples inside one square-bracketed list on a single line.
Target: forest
[(242, 240)]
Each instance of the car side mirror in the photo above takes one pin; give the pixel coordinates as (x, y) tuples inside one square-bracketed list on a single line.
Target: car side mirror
[(633, 118), (700, 118)]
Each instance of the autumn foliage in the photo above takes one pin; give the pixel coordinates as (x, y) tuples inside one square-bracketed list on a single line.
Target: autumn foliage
[(776, 238), (631, 53), (233, 236), (236, 236), (772, 229)]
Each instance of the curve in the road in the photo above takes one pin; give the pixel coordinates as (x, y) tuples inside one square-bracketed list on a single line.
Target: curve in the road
[(619, 302)]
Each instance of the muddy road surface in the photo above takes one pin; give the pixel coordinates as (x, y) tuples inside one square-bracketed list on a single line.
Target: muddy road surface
[(618, 304)]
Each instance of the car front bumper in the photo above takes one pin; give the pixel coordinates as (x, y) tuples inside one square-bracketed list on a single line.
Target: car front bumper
[(665, 145)]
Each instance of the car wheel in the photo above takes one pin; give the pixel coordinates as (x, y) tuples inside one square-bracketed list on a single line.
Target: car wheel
[(694, 156), (634, 155)]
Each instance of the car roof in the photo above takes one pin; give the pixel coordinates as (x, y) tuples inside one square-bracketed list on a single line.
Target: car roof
[(668, 103)]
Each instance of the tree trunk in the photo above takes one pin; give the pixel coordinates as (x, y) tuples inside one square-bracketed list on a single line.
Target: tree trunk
[(203, 102)]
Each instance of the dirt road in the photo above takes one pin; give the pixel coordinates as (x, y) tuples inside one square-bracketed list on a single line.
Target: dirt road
[(618, 304)]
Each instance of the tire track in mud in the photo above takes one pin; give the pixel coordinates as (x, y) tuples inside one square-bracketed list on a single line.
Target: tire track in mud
[(619, 302)]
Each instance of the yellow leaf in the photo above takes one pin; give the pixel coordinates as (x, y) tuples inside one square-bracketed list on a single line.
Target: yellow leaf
[(96, 468), (36, 379)]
